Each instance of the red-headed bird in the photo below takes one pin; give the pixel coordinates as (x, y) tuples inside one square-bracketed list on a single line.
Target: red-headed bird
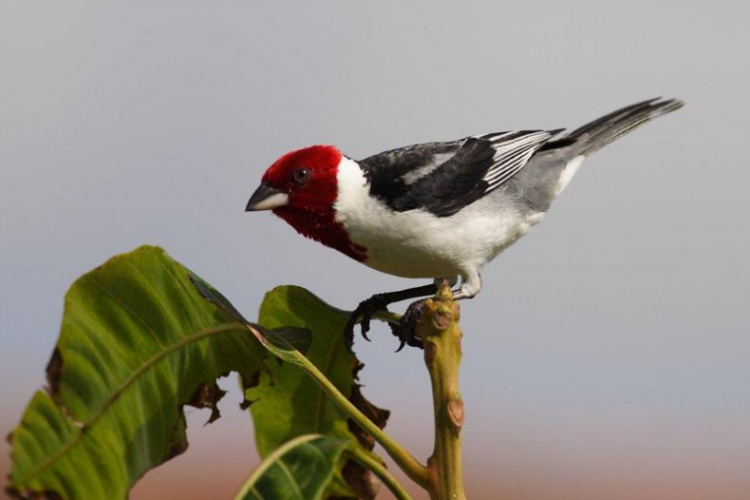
[(439, 210)]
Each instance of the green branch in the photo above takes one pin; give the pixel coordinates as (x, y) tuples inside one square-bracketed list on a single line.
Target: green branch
[(439, 331)]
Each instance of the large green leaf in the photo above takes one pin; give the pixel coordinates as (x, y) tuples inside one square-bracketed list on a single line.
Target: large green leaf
[(302, 469), (138, 341), (287, 403)]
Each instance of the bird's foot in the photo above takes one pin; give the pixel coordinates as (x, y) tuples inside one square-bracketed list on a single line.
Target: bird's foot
[(405, 330), (366, 309)]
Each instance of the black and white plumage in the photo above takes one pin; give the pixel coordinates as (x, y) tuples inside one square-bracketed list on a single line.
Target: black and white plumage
[(444, 210), (445, 177), (438, 210)]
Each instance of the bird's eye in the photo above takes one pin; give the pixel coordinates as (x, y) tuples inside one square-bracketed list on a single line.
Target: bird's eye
[(301, 175)]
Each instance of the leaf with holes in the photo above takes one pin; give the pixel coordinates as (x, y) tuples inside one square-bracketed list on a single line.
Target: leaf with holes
[(138, 342)]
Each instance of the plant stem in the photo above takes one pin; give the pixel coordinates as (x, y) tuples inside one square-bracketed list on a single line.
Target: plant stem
[(439, 331), (380, 471), (405, 460)]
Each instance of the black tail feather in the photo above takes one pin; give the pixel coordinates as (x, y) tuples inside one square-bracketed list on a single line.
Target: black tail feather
[(595, 135)]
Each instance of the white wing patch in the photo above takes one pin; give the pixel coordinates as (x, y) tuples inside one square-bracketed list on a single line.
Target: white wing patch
[(437, 161), (512, 151)]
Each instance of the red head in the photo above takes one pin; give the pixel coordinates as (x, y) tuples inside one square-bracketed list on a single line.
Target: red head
[(301, 188)]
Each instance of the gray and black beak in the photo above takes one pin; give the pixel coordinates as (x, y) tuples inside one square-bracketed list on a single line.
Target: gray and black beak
[(267, 198)]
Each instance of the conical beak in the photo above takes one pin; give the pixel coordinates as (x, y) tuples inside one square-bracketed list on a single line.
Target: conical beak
[(267, 198)]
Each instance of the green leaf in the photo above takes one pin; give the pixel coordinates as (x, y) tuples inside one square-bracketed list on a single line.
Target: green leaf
[(138, 342), (287, 403), (301, 469)]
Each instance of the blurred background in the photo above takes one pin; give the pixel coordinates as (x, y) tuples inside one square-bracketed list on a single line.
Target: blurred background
[(607, 355)]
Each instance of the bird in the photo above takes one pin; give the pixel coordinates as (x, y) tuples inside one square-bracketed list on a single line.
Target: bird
[(438, 210)]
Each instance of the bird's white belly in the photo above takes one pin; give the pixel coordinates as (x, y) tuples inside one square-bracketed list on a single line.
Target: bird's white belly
[(417, 244), (443, 250)]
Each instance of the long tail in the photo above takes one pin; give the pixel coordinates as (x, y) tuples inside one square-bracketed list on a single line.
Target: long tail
[(597, 134)]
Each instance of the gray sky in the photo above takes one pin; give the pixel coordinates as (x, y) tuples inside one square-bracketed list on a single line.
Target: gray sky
[(610, 343)]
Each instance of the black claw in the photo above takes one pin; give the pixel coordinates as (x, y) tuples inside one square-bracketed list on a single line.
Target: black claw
[(405, 329), (365, 310)]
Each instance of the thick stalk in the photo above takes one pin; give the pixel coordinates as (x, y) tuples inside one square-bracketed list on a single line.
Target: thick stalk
[(439, 331)]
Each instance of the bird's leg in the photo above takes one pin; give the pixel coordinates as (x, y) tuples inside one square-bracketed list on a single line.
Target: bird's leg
[(470, 286), (379, 302)]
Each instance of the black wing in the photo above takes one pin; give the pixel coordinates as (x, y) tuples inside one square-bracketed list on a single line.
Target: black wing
[(444, 177)]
